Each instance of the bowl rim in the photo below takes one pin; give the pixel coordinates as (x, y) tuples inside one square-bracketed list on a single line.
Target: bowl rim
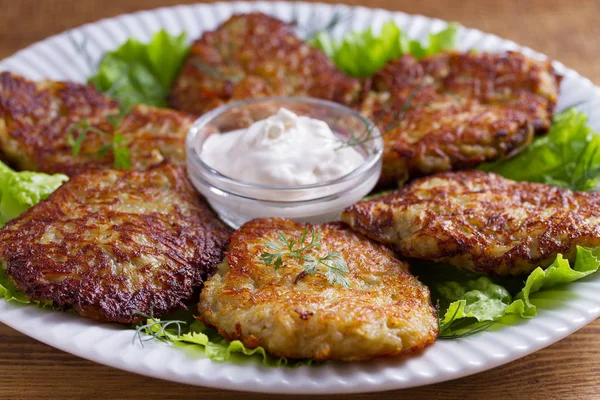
[(370, 161)]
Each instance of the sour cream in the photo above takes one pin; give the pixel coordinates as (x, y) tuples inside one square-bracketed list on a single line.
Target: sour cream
[(282, 150)]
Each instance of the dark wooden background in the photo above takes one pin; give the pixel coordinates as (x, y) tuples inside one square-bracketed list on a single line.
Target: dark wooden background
[(570, 369)]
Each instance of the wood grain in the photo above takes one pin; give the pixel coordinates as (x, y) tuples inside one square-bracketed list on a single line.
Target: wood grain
[(569, 369)]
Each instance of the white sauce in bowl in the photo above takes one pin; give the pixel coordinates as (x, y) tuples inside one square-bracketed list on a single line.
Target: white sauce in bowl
[(282, 150)]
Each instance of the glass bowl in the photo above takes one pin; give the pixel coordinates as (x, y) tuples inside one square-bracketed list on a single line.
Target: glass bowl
[(237, 202)]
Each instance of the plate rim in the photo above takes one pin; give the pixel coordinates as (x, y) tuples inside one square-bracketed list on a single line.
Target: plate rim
[(257, 385)]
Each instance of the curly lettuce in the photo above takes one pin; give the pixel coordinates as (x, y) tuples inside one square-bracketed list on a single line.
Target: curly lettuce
[(469, 306), (362, 54), (20, 191), (215, 347), (568, 156), (143, 73)]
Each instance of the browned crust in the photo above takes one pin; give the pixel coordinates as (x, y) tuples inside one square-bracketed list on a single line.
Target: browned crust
[(468, 108), (255, 55), (475, 107), (35, 119), (111, 242), (249, 284), (480, 221)]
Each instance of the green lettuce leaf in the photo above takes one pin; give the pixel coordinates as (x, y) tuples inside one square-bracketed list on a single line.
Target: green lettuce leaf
[(467, 307), (214, 345), (480, 298), (21, 190), (140, 72), (560, 272), (364, 53), (568, 156)]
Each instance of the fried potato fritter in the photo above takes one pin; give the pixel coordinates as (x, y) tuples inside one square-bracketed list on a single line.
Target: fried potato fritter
[(456, 110), (481, 222), (463, 108), (111, 242), (386, 311), (255, 55), (36, 119)]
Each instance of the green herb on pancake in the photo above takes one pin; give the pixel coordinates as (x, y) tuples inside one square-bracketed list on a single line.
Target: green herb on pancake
[(284, 247), (121, 155)]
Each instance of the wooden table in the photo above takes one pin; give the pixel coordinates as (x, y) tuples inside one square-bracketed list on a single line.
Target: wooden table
[(569, 369)]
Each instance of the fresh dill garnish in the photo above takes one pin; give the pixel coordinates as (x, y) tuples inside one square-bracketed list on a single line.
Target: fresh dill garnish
[(121, 155), (284, 247), (459, 328), (83, 127), (155, 329)]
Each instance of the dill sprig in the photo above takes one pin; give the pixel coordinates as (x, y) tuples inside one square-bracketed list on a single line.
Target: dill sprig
[(156, 329), (78, 133), (283, 247), (459, 328)]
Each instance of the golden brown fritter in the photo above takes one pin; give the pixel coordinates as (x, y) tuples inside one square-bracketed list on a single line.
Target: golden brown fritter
[(385, 311), (463, 109), (481, 222), (255, 55), (110, 242), (37, 117)]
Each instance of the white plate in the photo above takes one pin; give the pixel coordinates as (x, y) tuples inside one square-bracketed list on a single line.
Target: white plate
[(55, 58)]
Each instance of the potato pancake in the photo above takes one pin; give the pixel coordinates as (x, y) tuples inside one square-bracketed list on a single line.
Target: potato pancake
[(109, 243), (456, 110), (385, 311), (481, 222), (463, 108), (255, 55), (36, 119)]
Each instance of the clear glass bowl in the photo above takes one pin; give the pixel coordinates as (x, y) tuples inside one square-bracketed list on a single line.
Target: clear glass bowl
[(237, 202)]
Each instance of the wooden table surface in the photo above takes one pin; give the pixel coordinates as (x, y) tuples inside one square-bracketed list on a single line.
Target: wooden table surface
[(569, 369)]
